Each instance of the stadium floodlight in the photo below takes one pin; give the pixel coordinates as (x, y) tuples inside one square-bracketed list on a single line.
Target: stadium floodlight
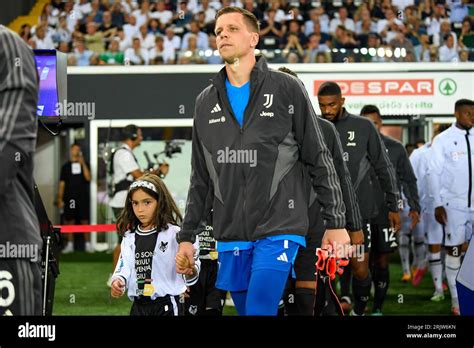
[(381, 52), (388, 53), (364, 50), (403, 52), (343, 50), (397, 52), (372, 51)]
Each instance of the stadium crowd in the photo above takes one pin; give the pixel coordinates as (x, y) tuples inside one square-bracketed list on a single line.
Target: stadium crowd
[(117, 32)]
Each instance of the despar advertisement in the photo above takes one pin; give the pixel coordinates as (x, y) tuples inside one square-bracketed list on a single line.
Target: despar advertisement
[(397, 93)]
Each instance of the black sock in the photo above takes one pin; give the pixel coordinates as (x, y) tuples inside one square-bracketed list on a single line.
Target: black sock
[(361, 290), (304, 299), (345, 282), (330, 308), (381, 280)]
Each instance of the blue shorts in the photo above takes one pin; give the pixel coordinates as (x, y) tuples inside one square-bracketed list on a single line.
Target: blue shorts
[(235, 266)]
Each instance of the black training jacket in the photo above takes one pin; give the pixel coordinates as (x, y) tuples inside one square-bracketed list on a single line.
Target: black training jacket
[(269, 196), (363, 151), (406, 178)]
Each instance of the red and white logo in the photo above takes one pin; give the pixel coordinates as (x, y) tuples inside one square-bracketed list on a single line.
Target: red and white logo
[(400, 87)]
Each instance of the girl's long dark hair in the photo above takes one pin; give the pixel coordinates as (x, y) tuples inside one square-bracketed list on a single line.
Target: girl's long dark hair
[(167, 211)]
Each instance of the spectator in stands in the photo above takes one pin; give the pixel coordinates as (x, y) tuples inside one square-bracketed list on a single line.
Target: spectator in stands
[(94, 39), (82, 54), (271, 31), (466, 39), (214, 57), (449, 51), (343, 20), (170, 37), (124, 41), (163, 15), (64, 47), (464, 56), (249, 5), (154, 27), (459, 10), (202, 38), (96, 12), (82, 9), (147, 39), (425, 50), (183, 16), (118, 16), (389, 27), (279, 13), (293, 45), (314, 47), (163, 51), (294, 29), (294, 14), (107, 27), (42, 42), (365, 25), (71, 60), (433, 22), (322, 57), (190, 55), (143, 14), (401, 41), (209, 12), (445, 30), (113, 56), (70, 16), (323, 19), (62, 32), (402, 4), (49, 15), (25, 32), (136, 55), (129, 6), (95, 60)]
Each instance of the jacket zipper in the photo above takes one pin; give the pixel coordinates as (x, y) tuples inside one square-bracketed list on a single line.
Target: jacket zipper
[(470, 169)]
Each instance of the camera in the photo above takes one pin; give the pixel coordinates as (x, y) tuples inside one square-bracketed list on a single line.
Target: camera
[(173, 146)]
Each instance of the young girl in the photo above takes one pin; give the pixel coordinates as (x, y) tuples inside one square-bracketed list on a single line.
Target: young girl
[(146, 265)]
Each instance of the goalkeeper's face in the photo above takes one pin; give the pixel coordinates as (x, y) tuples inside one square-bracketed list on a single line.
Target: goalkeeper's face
[(144, 208), (234, 38)]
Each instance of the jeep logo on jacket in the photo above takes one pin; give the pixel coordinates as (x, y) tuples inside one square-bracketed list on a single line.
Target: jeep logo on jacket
[(280, 130)]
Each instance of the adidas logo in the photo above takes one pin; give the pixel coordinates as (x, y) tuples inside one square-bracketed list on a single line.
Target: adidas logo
[(393, 245), (283, 257), (217, 108)]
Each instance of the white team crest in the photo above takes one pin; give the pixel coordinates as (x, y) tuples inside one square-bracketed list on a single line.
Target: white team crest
[(268, 100), (350, 138), (193, 309)]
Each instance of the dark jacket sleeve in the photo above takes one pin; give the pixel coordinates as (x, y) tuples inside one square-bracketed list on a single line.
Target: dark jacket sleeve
[(383, 168), (353, 216), (198, 189), (408, 180), (316, 157)]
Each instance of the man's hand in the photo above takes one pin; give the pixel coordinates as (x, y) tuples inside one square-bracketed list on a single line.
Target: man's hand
[(394, 219), (118, 288), (185, 258), (415, 218), (334, 239), (357, 237), (440, 215)]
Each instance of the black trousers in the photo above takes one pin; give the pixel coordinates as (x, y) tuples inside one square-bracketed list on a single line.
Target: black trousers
[(166, 306)]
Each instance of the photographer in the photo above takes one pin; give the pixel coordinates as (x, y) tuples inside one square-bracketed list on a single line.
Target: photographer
[(73, 195), (20, 273)]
